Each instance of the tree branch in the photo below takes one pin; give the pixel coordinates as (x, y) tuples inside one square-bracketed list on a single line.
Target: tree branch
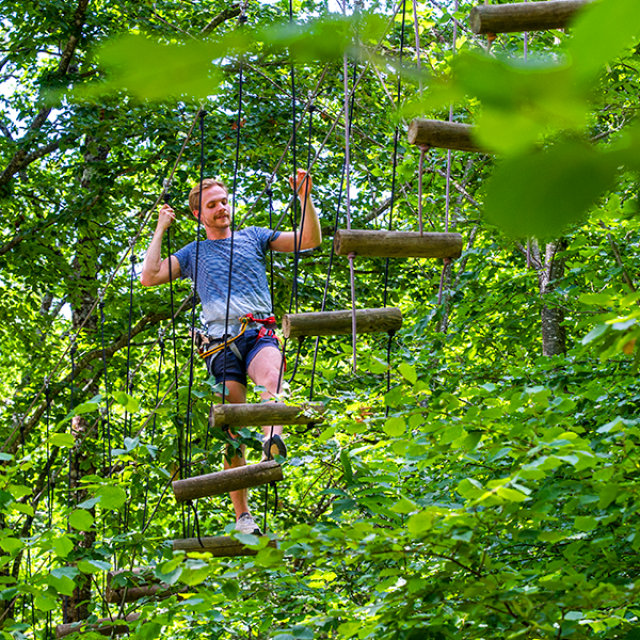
[(618, 257), (22, 158), (232, 12), (151, 319)]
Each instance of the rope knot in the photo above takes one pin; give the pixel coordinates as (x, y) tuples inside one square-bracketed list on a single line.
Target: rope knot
[(351, 255)]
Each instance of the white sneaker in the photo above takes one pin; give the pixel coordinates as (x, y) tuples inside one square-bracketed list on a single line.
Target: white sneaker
[(246, 524)]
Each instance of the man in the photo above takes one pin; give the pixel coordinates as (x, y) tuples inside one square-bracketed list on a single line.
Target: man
[(255, 353)]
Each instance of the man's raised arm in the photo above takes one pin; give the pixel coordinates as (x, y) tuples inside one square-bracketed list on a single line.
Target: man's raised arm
[(310, 234), (154, 269)]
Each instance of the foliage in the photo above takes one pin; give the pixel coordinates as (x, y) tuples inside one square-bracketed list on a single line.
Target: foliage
[(467, 485)]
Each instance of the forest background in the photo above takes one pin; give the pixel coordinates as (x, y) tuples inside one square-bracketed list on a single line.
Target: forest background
[(482, 480)]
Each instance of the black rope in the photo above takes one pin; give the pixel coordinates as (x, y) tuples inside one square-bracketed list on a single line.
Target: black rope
[(233, 224), (129, 385), (325, 294), (153, 428), (195, 289), (106, 389), (393, 197), (271, 279), (298, 248), (179, 429)]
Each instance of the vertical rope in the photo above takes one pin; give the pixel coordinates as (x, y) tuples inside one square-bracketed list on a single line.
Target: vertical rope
[(129, 386), (396, 138), (179, 430), (447, 261), (347, 161), (423, 151), (187, 452), (188, 423), (416, 29), (106, 385)]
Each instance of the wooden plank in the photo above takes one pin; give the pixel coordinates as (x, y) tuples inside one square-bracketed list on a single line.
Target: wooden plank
[(214, 484), (217, 546), (524, 16), (140, 583), (265, 414), (104, 626), (335, 323), (444, 135), (397, 244)]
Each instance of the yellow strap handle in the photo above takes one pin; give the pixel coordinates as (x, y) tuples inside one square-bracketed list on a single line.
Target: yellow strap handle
[(222, 345)]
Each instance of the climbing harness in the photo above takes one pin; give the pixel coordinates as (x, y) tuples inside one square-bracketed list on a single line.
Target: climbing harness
[(267, 329)]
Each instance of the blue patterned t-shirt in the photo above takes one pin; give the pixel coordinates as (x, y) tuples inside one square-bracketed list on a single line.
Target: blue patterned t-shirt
[(249, 287)]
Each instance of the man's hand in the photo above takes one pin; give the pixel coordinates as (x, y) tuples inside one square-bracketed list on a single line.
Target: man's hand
[(303, 184), (166, 216)]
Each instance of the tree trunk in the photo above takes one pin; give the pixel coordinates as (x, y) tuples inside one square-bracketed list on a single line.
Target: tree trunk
[(554, 339), (83, 456)]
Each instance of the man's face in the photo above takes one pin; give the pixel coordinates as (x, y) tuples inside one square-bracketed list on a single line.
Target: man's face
[(215, 208)]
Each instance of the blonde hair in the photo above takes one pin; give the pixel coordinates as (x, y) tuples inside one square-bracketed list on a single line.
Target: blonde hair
[(194, 194)]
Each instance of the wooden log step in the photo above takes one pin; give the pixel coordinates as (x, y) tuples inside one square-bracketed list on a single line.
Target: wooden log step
[(140, 583), (217, 546), (214, 484), (397, 244), (444, 135), (524, 16), (336, 323), (104, 626), (264, 414)]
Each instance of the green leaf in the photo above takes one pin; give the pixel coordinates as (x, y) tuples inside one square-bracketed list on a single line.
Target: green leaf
[(11, 544), (585, 523), (451, 433), (81, 520), (19, 491), (111, 496), (87, 407), (346, 465), (63, 546), (128, 402), (511, 494), (404, 506), (420, 522), (394, 427), (61, 440), (408, 372), (539, 194), (149, 631), (93, 566), (470, 488), (64, 572), (45, 603), (195, 573)]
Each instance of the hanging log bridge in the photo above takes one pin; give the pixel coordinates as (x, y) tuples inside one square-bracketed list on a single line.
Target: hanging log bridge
[(524, 16), (105, 626), (215, 484), (264, 414), (397, 244), (217, 546), (443, 135), (336, 323), (130, 585)]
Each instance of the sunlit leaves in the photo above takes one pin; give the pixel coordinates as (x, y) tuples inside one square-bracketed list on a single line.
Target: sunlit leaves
[(150, 70), (81, 519)]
